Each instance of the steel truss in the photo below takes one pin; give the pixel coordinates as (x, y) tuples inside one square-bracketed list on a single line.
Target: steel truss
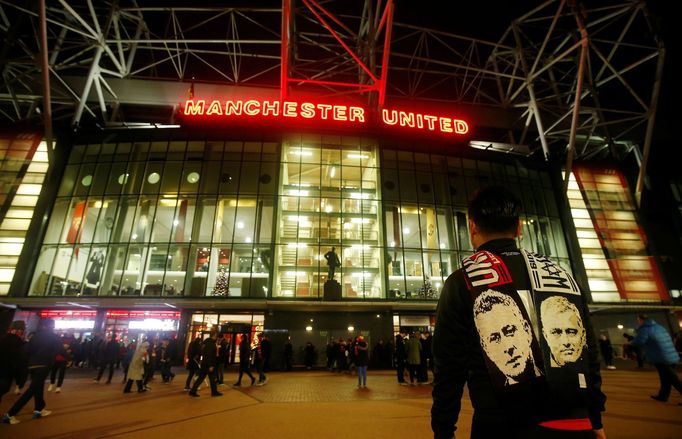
[(565, 79)]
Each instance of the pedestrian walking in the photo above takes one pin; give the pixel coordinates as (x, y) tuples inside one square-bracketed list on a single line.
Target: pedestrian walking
[(400, 358), (209, 358), (659, 350), (13, 360), (164, 357), (413, 349), (41, 349), (136, 369), (259, 361), (108, 358), (223, 359), (193, 361), (58, 369), (309, 354), (244, 360)]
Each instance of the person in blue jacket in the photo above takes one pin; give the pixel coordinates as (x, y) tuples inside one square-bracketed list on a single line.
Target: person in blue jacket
[(659, 350)]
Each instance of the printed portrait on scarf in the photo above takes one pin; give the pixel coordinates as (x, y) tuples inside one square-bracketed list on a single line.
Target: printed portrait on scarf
[(562, 330), (506, 337)]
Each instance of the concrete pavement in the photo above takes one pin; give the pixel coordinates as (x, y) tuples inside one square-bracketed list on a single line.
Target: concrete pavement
[(303, 404)]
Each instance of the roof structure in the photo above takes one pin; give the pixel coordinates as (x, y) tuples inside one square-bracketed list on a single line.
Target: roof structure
[(558, 78)]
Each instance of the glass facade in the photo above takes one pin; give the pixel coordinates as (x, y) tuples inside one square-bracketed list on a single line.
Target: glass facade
[(161, 219), (23, 165), (238, 219), (329, 198), (613, 244)]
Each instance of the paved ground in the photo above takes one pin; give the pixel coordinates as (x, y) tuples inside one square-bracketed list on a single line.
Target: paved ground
[(303, 404)]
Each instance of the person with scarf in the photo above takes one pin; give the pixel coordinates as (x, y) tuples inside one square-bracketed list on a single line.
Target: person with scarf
[(530, 366)]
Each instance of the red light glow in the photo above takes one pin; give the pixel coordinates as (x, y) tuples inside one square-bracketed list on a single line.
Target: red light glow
[(348, 114), (66, 314), (252, 107)]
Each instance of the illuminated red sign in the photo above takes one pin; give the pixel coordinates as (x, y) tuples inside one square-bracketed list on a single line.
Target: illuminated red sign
[(123, 314), (60, 314), (348, 114)]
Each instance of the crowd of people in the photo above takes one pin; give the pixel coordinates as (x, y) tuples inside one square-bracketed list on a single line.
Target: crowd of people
[(45, 355)]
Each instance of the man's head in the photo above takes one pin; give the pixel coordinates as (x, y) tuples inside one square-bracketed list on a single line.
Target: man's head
[(493, 213), (505, 335), (642, 318), (563, 330)]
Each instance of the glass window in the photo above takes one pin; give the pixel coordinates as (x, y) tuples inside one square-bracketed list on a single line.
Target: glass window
[(86, 179), (209, 178), (229, 178), (140, 151), (77, 153), (123, 220), (57, 218), (191, 177), (164, 220), (268, 178), (233, 151), (119, 178), (144, 217), (176, 150), (204, 222), (152, 179), (170, 180), (70, 180), (250, 174), (225, 215), (42, 277)]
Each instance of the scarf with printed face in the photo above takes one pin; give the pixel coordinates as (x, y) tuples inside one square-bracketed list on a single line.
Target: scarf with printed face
[(528, 336)]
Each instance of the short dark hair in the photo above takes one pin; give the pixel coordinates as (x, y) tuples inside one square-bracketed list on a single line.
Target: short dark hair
[(643, 317), (495, 209)]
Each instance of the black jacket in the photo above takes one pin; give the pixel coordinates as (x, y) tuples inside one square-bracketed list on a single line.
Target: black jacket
[(459, 360), (43, 348), (209, 352), (13, 361)]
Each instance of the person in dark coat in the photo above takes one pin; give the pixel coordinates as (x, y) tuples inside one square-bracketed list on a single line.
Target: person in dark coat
[(288, 355), (244, 360), (109, 357), (266, 349), (58, 369), (163, 355), (332, 348), (209, 360), (223, 358), (13, 361), (309, 354), (400, 358), (41, 350), (523, 379), (259, 360), (659, 350), (193, 361)]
